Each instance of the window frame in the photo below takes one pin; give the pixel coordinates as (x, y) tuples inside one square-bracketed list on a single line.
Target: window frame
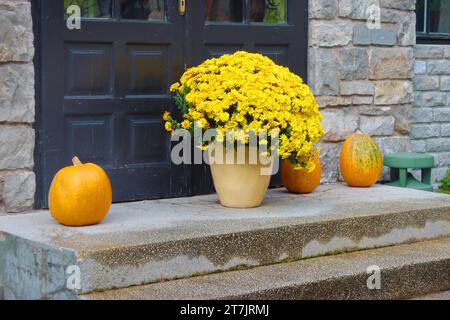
[(116, 15), (427, 37), (246, 17)]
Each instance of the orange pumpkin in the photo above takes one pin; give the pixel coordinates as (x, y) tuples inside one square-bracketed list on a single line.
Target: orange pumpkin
[(301, 180), (361, 161), (80, 195)]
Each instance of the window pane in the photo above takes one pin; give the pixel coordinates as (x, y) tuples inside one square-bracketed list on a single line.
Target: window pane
[(224, 10), (420, 16), (269, 11), (439, 16), (91, 8), (151, 10)]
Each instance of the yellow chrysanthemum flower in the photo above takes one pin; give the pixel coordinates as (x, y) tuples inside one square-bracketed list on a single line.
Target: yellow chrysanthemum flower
[(203, 123), (166, 116), (168, 127), (203, 147), (174, 87), (224, 116), (186, 124), (249, 91)]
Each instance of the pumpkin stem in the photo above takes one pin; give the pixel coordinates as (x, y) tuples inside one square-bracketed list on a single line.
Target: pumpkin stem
[(76, 161)]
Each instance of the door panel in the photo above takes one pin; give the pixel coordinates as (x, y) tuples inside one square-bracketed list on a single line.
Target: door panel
[(105, 87), (89, 69), (95, 132), (149, 69)]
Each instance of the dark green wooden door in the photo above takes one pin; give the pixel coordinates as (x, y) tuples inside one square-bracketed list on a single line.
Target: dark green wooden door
[(102, 89)]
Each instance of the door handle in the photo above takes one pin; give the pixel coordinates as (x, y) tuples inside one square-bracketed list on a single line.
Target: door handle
[(182, 7)]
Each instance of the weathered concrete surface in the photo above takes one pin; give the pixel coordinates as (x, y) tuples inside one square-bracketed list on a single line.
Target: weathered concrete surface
[(444, 295), (152, 240), (405, 271)]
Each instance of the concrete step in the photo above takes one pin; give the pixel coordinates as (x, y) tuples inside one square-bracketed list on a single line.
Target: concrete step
[(145, 242), (404, 271), (443, 295)]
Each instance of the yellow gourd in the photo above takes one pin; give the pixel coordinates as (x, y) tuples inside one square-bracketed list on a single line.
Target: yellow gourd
[(361, 161)]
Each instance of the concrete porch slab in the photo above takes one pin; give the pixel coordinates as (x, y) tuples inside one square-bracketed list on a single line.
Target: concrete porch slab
[(144, 242)]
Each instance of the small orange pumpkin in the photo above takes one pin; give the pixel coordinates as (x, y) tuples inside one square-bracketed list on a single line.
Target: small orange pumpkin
[(301, 180), (361, 161), (80, 195)]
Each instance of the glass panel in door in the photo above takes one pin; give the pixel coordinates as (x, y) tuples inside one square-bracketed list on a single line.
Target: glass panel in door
[(268, 11), (150, 10), (224, 10), (91, 8)]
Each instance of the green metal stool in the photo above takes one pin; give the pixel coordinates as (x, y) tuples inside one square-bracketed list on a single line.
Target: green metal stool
[(399, 163)]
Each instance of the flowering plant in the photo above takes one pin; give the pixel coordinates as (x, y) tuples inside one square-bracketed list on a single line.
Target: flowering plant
[(247, 92), (445, 183)]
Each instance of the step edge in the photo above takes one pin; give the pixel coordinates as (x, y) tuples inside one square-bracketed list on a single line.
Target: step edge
[(302, 252), (420, 212), (436, 263)]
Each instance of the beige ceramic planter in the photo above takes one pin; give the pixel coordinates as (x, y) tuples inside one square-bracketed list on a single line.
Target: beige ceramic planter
[(240, 185)]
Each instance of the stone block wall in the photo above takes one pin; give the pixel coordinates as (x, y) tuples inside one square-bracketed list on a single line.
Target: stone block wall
[(17, 180), (362, 77), (430, 131)]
